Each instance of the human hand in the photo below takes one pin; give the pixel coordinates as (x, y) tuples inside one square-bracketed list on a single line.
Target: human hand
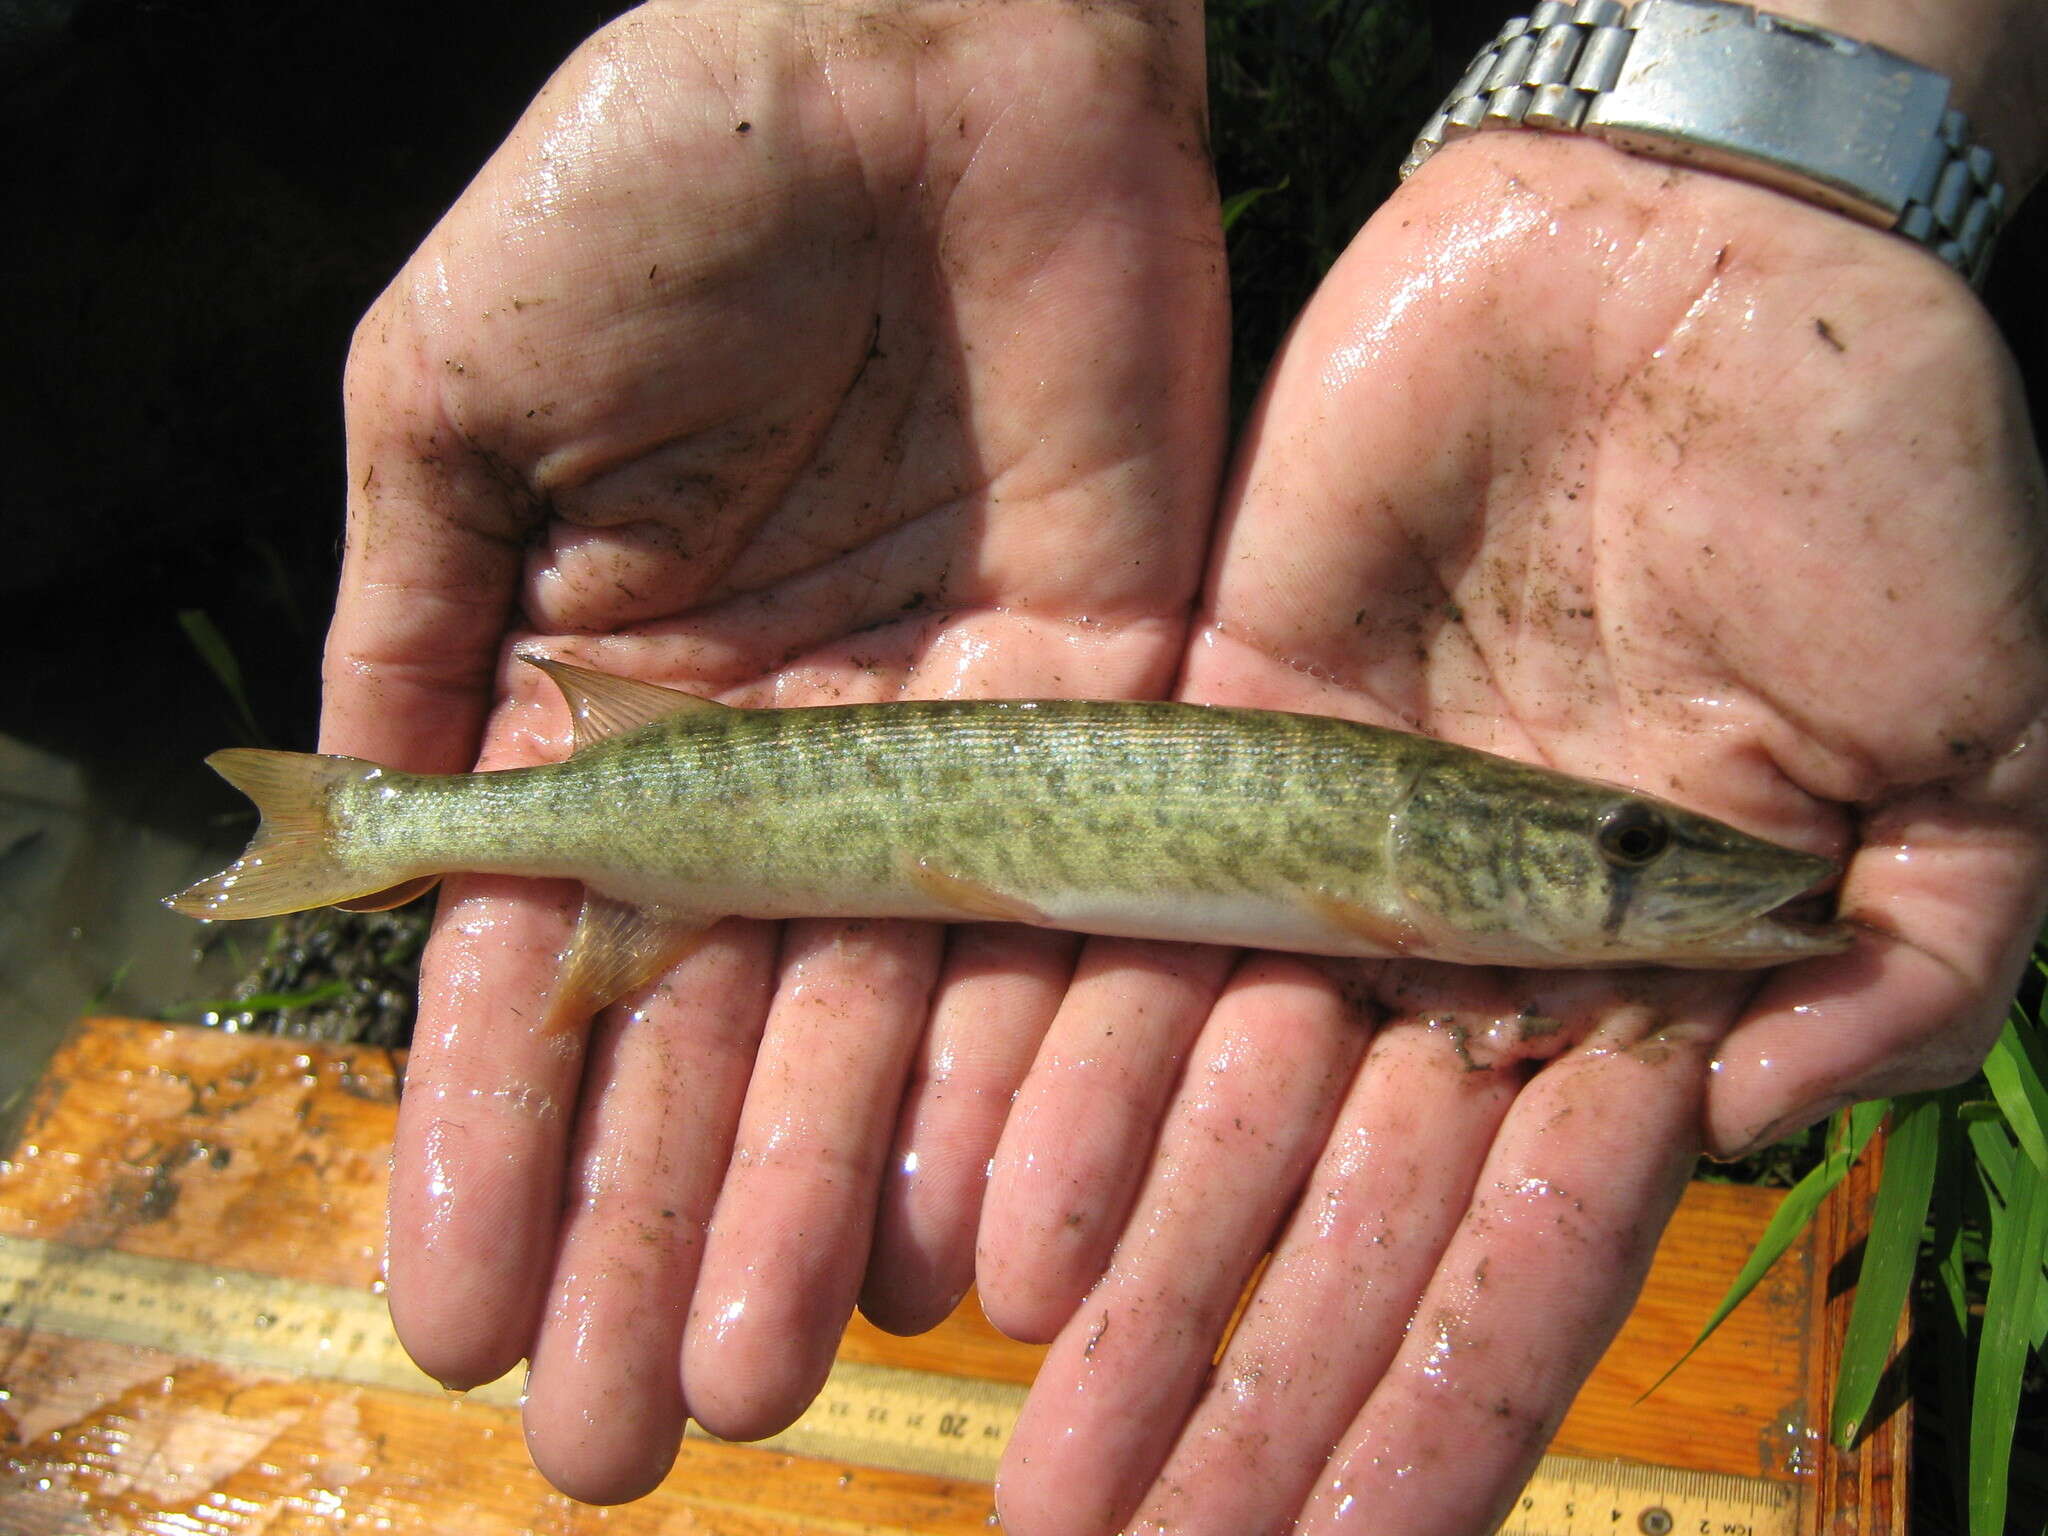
[(795, 353), (1643, 474)]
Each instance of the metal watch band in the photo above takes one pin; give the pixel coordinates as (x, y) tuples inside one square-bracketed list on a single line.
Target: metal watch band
[(1761, 97)]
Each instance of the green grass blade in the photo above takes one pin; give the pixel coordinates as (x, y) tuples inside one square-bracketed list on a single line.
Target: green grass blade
[(2015, 1078), (219, 656), (260, 1002), (1956, 1195), (1852, 1132), (1995, 1159), (2019, 1241), (1911, 1153), (1234, 206), (2000, 1170)]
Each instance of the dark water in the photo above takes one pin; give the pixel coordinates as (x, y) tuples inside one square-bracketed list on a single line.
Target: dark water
[(202, 198)]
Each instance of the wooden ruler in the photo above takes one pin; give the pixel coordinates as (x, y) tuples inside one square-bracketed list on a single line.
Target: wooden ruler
[(192, 1337), (867, 1415), (1571, 1496)]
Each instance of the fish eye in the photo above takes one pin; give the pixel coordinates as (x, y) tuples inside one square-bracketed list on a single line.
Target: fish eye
[(1632, 835)]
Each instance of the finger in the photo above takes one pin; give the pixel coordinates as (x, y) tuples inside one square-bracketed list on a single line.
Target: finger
[(995, 998), (477, 1157), (1541, 1272), (1075, 1147), (663, 1088), (1263, 1082), (790, 1235), (429, 568), (1334, 1302), (1948, 889)]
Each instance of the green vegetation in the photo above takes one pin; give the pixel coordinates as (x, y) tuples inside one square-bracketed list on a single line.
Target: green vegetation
[(348, 977), (1313, 104), (1959, 1228)]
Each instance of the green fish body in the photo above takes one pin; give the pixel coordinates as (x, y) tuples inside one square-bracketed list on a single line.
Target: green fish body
[(1150, 820)]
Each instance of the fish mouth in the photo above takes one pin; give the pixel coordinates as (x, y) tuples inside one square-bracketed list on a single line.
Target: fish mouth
[(1799, 928), (1791, 917)]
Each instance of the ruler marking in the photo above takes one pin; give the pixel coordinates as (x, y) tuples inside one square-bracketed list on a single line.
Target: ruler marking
[(882, 1416)]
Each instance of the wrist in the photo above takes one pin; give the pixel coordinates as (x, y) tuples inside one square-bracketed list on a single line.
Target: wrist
[(1994, 53), (1765, 94)]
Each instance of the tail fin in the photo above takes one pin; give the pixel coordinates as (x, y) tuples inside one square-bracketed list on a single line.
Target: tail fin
[(290, 864)]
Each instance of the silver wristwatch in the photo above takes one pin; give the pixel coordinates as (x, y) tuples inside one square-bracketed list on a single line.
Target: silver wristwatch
[(1764, 98)]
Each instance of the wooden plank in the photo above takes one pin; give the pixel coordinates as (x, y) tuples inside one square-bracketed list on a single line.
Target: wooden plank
[(1739, 1404), (1866, 1490), (129, 1440), (252, 1152), (255, 1154)]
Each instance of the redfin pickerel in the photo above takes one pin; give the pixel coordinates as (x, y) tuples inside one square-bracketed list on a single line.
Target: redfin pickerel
[(1159, 821)]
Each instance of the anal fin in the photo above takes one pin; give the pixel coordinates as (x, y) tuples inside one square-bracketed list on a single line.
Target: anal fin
[(618, 948), (971, 898), (391, 896)]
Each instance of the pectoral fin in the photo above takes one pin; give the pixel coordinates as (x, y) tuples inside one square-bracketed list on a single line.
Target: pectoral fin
[(971, 898), (601, 705), (1387, 935), (618, 948)]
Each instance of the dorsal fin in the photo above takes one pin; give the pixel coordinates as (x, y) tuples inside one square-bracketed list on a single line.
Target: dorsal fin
[(601, 705)]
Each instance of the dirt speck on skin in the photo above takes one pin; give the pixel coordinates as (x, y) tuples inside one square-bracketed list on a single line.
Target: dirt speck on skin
[(1461, 1043), (1827, 334), (1654, 1051), (1095, 1336)]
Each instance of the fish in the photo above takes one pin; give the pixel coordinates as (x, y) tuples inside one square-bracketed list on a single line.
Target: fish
[(1146, 820)]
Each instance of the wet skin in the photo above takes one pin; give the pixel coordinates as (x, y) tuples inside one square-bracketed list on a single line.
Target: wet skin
[(1630, 513), (883, 398)]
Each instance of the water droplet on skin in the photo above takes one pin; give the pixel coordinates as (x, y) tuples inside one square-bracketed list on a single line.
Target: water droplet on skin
[(729, 1316), (1436, 1363)]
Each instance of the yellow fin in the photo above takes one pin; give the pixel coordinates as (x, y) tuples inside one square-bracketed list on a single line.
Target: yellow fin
[(1389, 935), (601, 705), (289, 865), (396, 896), (618, 948), (971, 898)]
